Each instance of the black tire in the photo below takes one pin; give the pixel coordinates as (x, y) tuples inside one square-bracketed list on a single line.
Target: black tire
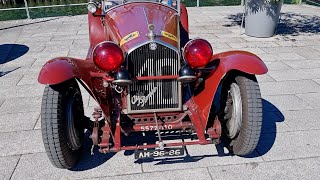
[(247, 135), (62, 131)]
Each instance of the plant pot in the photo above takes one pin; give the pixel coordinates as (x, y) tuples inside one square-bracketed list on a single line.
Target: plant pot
[(262, 17)]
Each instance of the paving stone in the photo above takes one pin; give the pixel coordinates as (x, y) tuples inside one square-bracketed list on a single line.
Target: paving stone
[(81, 42), (81, 53), (38, 166), (253, 39), (7, 166), (20, 62), (1, 102), (38, 123), (277, 66), (83, 31), (18, 121), (210, 32), (292, 43), (316, 47), (264, 78), (21, 142), (298, 74), (52, 33), (317, 80), (302, 119), (280, 57), (252, 44), (289, 145), (291, 169), (48, 43), (289, 87), (200, 156), (22, 91), (46, 56), (70, 37), (256, 51), (36, 49), (272, 120), (30, 79), (304, 64), (313, 99), (186, 174), (15, 71), (310, 54), (16, 105), (9, 81), (227, 40), (222, 35), (287, 49), (39, 40), (287, 102)]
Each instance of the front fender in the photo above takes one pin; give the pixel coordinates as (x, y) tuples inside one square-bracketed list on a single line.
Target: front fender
[(232, 60), (62, 69)]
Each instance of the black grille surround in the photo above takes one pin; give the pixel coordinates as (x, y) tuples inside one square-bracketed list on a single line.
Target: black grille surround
[(153, 95)]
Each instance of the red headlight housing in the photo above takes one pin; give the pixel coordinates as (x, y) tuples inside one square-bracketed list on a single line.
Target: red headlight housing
[(197, 53), (107, 56)]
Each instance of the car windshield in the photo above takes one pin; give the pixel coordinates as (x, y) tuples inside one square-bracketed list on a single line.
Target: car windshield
[(112, 3)]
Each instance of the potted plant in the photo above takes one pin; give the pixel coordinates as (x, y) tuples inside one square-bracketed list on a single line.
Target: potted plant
[(262, 17)]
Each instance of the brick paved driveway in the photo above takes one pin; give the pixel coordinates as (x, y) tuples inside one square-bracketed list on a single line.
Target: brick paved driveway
[(289, 147)]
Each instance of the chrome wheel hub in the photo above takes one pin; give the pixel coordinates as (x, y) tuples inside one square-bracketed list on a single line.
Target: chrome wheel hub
[(233, 110)]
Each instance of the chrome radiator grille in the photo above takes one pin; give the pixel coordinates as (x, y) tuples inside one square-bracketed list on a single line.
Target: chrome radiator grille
[(153, 95)]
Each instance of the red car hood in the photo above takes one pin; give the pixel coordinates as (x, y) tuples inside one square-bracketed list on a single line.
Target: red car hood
[(128, 24)]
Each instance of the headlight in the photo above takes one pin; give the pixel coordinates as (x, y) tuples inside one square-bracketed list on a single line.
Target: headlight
[(92, 7), (197, 53), (107, 56)]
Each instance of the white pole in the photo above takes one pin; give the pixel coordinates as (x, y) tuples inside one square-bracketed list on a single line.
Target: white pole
[(198, 3), (27, 8)]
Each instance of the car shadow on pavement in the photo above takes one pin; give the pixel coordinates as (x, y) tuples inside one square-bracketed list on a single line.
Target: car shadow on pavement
[(289, 24), (10, 52), (271, 116), (88, 161)]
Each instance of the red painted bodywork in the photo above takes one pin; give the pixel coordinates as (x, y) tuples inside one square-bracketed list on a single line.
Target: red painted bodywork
[(122, 21), (231, 60)]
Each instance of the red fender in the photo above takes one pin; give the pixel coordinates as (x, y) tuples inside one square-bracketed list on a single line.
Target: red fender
[(231, 60), (62, 69)]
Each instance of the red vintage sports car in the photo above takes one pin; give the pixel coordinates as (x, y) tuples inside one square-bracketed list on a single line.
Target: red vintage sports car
[(147, 75)]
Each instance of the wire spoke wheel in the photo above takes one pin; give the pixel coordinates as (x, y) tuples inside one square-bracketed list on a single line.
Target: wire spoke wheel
[(242, 113), (233, 111)]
